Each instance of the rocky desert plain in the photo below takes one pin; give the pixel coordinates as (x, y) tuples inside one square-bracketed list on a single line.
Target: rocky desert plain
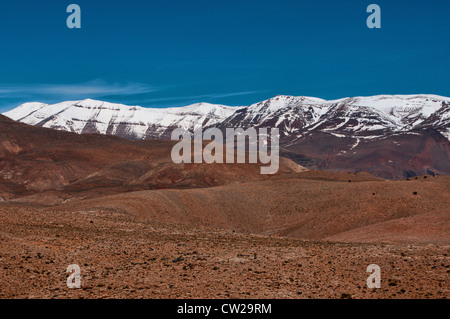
[(140, 226)]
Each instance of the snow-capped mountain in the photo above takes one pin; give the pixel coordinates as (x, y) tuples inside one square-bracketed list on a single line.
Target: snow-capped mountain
[(364, 117), (133, 122), (389, 135)]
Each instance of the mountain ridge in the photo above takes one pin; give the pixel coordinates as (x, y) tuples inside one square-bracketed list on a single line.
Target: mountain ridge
[(398, 112)]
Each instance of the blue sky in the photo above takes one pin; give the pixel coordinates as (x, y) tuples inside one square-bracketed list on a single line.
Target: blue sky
[(174, 53)]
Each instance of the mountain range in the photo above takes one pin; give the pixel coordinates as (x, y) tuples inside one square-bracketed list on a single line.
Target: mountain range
[(390, 136)]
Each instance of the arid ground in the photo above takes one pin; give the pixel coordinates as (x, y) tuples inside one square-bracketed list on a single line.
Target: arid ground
[(140, 226), (132, 246)]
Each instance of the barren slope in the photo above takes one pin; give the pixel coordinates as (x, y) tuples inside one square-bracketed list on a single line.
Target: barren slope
[(122, 256), (300, 207)]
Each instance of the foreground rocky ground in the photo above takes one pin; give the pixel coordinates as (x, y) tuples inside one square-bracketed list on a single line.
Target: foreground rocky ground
[(123, 256)]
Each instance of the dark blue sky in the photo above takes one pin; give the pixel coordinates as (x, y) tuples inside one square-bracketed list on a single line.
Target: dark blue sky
[(173, 53)]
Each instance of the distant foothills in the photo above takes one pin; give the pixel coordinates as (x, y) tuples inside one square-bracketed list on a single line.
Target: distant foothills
[(389, 136)]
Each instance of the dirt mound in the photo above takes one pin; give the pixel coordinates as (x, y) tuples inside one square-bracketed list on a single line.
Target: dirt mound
[(428, 228)]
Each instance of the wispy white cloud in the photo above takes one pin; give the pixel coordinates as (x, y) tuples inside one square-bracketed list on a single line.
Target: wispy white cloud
[(93, 88), (12, 95)]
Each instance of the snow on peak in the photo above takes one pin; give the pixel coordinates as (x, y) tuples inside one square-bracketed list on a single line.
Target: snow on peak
[(289, 113), (402, 109), (25, 109), (74, 115)]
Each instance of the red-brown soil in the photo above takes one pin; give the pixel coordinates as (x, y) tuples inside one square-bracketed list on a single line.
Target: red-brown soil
[(123, 256), (140, 226)]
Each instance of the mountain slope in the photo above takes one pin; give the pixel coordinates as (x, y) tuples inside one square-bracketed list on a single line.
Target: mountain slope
[(67, 165)]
